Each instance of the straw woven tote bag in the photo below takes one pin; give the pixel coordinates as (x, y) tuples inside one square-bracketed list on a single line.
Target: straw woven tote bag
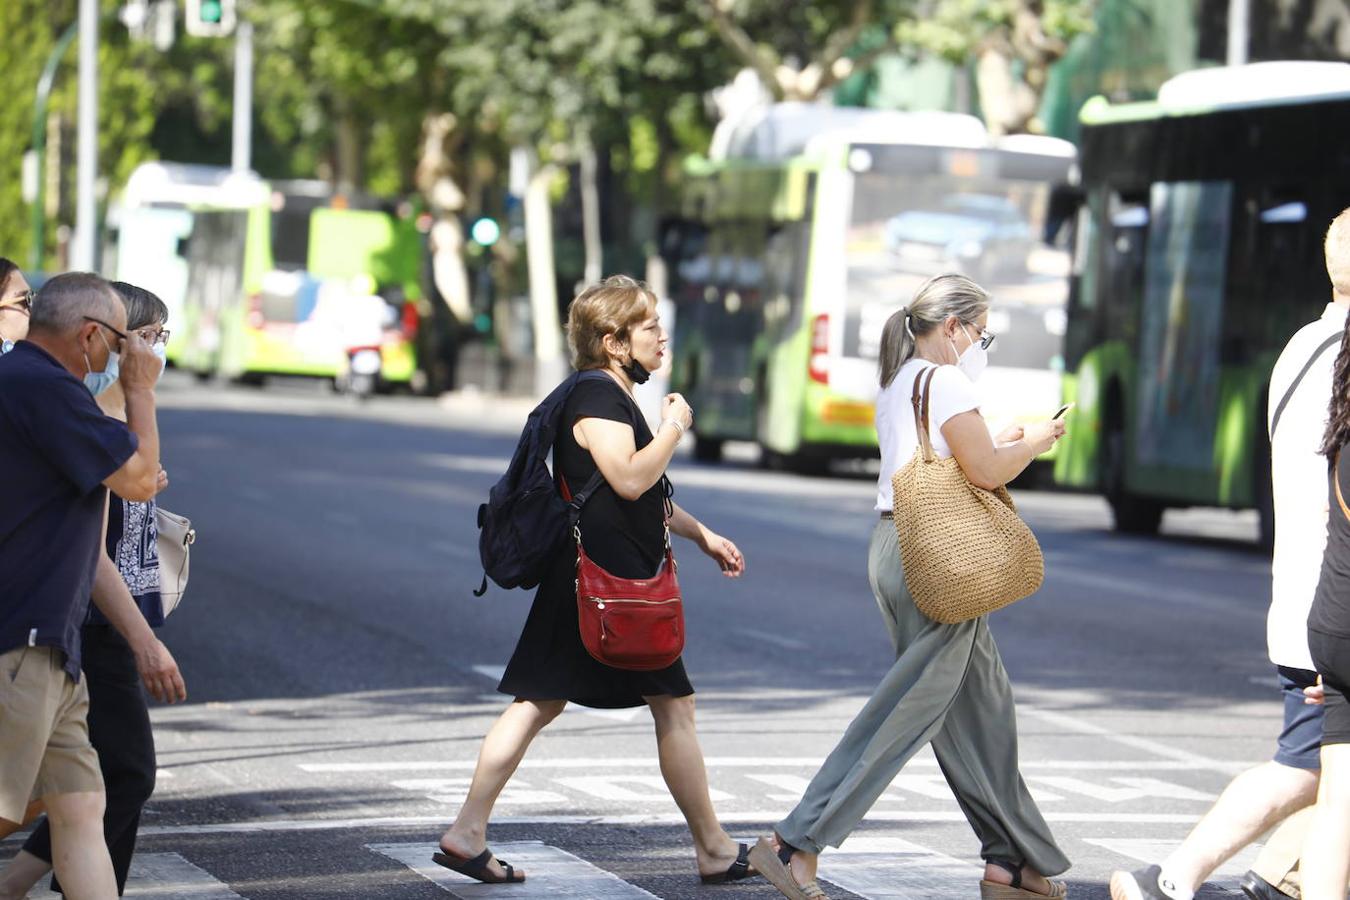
[(965, 550)]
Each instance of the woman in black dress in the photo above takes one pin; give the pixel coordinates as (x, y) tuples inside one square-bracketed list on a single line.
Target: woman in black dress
[(612, 327), (1324, 867)]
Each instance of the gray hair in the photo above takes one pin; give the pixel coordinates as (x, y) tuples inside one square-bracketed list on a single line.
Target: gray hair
[(62, 302), (939, 298)]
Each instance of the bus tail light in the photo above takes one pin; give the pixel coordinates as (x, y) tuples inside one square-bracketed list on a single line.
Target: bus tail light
[(409, 321), (819, 368), (255, 311)]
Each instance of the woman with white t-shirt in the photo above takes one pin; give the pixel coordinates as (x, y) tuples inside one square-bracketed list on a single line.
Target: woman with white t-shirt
[(947, 685)]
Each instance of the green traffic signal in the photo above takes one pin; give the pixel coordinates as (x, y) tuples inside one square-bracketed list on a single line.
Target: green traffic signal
[(211, 11)]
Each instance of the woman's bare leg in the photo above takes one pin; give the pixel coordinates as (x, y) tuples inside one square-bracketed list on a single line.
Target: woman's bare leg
[(682, 767), (503, 749)]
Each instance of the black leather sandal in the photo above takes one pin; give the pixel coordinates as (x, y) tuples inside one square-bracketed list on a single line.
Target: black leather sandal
[(737, 871), (477, 868)]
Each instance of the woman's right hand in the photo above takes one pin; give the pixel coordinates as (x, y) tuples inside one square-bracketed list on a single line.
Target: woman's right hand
[(1041, 436), (677, 408)]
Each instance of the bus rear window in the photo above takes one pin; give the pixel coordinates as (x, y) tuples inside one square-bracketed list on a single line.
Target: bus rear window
[(290, 239)]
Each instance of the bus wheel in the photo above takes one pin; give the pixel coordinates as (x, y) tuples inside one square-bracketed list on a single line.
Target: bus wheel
[(1131, 515), (706, 449)]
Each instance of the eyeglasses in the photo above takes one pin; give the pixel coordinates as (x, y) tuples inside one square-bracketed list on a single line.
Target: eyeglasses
[(22, 301), (120, 334), (986, 338), (154, 338)]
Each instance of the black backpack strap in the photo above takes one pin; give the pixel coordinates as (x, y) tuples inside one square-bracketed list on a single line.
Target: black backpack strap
[(587, 491), (1289, 394)]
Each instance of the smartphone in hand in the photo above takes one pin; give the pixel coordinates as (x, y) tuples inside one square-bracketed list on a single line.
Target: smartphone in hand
[(1062, 410)]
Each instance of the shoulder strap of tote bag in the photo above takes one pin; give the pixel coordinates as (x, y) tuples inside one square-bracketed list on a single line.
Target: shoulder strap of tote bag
[(1298, 379), (923, 386)]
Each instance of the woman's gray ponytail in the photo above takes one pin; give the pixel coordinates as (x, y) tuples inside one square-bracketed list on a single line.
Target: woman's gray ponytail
[(938, 298)]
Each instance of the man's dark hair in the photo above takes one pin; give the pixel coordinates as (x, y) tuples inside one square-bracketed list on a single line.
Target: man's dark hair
[(64, 301), (143, 308)]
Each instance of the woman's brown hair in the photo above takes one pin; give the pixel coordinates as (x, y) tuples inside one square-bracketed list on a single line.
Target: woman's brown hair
[(612, 306)]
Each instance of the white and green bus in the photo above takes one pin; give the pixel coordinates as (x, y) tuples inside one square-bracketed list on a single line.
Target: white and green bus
[(1198, 254), (793, 249)]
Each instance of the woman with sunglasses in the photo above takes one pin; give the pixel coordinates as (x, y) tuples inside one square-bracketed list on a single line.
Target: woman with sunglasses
[(947, 686), (114, 665), (16, 302)]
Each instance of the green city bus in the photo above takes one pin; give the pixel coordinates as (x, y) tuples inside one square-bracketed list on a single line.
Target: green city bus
[(1198, 254), (817, 223), (299, 283)]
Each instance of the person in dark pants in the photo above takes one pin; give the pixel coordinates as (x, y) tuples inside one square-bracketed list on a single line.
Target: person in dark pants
[(119, 719)]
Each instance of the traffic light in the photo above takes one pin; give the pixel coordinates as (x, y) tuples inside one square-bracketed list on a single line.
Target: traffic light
[(210, 18)]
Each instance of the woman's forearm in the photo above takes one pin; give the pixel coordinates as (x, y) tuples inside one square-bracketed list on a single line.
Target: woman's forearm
[(685, 525)]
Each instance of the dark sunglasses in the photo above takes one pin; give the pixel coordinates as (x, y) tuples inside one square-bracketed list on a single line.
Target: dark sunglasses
[(22, 301)]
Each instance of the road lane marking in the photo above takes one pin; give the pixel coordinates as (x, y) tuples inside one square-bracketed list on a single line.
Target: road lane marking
[(1134, 789), (454, 790), (1148, 745), (617, 787), (880, 868), (551, 873), (774, 639), (758, 817), (170, 876), (769, 762)]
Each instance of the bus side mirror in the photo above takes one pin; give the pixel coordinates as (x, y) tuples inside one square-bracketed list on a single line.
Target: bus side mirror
[(1065, 201)]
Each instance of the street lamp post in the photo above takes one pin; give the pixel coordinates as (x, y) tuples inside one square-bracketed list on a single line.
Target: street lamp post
[(86, 158), (1239, 29)]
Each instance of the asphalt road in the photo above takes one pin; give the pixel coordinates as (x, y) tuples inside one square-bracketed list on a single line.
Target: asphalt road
[(341, 675)]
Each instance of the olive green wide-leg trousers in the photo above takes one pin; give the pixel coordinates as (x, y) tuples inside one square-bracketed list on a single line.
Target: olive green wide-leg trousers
[(947, 686)]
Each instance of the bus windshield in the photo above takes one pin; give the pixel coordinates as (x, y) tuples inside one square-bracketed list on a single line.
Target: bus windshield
[(906, 227)]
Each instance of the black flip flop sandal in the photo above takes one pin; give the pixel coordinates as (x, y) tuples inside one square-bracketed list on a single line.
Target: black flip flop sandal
[(737, 871), (477, 868)]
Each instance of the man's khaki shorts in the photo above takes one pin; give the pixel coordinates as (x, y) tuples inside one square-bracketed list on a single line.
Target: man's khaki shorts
[(44, 738)]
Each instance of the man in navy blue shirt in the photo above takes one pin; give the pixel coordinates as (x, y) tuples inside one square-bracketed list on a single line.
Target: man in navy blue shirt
[(58, 454)]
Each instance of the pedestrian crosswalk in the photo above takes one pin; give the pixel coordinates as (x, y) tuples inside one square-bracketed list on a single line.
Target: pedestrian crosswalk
[(871, 866), (553, 873)]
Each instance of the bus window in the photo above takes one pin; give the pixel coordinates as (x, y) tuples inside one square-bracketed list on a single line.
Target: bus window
[(1182, 326), (784, 268), (290, 237), (906, 228)]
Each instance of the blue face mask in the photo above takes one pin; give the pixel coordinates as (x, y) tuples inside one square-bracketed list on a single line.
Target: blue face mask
[(98, 382), (162, 354)]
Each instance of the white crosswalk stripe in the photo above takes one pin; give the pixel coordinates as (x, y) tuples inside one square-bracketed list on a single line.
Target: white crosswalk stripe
[(167, 876), (884, 868), (553, 873)]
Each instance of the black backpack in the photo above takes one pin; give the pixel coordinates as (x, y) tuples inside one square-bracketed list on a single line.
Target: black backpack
[(525, 518)]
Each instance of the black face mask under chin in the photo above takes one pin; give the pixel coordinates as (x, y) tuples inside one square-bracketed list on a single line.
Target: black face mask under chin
[(636, 372)]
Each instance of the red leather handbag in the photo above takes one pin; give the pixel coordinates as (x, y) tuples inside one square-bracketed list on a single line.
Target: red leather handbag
[(630, 623)]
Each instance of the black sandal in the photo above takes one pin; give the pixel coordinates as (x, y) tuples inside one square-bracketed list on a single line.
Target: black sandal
[(477, 868), (737, 871)]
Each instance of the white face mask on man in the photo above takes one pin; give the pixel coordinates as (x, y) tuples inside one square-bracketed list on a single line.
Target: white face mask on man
[(975, 357)]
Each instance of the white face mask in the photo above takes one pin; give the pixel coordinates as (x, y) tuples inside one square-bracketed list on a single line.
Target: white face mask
[(973, 360)]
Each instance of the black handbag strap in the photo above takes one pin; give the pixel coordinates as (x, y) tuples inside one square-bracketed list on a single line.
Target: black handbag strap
[(1289, 394)]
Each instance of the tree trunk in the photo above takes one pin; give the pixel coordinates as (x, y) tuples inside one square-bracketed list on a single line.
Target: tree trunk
[(590, 212), (549, 363), (349, 175), (1009, 104), (436, 180)]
